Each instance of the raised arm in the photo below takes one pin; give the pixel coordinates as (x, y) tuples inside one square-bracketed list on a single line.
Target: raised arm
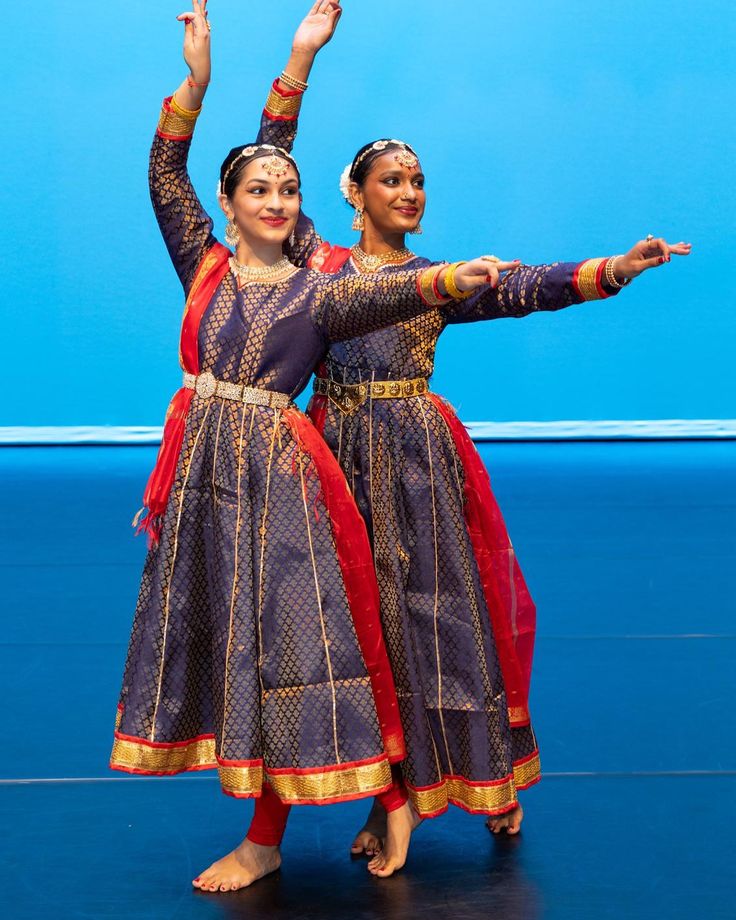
[(534, 288), (185, 225), (280, 117), (354, 305)]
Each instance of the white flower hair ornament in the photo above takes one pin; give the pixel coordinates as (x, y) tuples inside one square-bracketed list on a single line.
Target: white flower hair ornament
[(345, 183)]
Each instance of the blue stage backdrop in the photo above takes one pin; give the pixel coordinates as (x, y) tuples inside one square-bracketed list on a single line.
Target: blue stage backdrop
[(547, 130)]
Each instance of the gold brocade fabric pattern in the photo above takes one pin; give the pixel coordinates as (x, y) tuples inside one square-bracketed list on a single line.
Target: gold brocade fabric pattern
[(403, 467), (243, 653), (402, 464)]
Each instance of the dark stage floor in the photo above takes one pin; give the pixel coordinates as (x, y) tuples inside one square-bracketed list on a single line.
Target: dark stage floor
[(593, 847), (630, 551)]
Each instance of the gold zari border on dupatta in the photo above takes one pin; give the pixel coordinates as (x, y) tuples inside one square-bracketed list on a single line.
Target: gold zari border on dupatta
[(518, 715), (394, 744)]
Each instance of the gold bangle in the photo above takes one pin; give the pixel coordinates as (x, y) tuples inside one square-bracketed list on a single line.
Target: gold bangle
[(292, 82), (587, 273), (173, 125), (283, 106), (192, 114), (427, 286), (610, 274), (452, 289)]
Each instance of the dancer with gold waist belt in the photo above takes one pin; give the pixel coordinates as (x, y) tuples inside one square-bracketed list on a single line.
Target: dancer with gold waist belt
[(256, 646), (458, 618)]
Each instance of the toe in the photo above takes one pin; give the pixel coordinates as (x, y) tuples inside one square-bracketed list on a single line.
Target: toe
[(387, 869), (375, 864)]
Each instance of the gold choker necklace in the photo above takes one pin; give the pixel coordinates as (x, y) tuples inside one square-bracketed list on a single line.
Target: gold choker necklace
[(368, 263), (246, 273)]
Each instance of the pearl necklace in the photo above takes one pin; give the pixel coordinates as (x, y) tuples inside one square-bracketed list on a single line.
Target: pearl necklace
[(368, 263), (246, 273)]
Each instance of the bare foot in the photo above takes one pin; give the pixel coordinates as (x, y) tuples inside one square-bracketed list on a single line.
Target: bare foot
[(371, 837), (510, 822), (399, 827), (245, 865)]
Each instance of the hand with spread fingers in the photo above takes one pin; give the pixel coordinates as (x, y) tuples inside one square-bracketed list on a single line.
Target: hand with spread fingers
[(317, 27), (649, 253), (197, 42)]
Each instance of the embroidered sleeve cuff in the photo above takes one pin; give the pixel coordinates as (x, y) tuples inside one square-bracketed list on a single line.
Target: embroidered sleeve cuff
[(588, 281), (176, 123), (283, 104), (427, 286)]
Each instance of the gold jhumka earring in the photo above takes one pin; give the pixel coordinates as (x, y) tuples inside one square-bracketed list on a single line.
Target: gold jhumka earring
[(358, 221), (417, 229), (232, 234)]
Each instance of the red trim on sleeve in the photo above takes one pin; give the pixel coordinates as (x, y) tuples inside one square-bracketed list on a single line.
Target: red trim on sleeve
[(285, 93), (273, 117), (575, 276), (173, 137), (602, 292)]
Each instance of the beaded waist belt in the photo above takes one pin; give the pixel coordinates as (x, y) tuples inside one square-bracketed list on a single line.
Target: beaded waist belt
[(348, 396), (206, 385)]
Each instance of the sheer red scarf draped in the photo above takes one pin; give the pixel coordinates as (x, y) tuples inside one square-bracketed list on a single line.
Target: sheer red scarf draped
[(359, 577), (512, 611), (210, 273)]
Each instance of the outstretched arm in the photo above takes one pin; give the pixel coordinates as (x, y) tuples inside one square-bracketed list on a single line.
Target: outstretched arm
[(533, 288), (185, 225), (354, 305)]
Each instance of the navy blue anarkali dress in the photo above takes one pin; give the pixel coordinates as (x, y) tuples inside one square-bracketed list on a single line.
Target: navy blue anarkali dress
[(457, 616), (256, 646)]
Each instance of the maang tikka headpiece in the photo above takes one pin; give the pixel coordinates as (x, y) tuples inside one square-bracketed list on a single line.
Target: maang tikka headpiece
[(277, 164), (405, 156)]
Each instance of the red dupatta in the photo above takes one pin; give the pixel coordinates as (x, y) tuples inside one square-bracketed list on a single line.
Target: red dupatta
[(328, 259), (212, 269), (512, 611), (359, 577), (511, 608)]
